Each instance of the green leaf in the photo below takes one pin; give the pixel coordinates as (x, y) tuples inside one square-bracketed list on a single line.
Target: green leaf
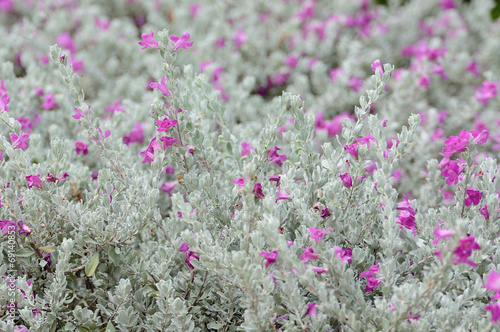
[(229, 148), (92, 265), (48, 249), (215, 326), (82, 329), (25, 252), (110, 328), (114, 255)]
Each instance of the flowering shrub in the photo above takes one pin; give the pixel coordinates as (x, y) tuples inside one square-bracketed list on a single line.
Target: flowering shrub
[(280, 165)]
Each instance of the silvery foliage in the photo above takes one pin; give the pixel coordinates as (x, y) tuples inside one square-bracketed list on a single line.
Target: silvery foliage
[(116, 263)]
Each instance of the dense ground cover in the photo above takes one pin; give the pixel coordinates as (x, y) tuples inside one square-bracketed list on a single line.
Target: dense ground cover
[(249, 165)]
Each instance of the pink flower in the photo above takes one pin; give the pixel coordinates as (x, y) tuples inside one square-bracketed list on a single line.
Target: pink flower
[(455, 144), (49, 102), (116, 107), (493, 283), (190, 149), (335, 74), (472, 67), (34, 181), (480, 138), (20, 142), (168, 141), (270, 257), (371, 272), (355, 83), (311, 309), (291, 61), (161, 86), (447, 4), (407, 220), (107, 133), (240, 182), (147, 40), (464, 251), (486, 92), (484, 212), (276, 178), (494, 307), (148, 154), (317, 234), (257, 189), (274, 157), (23, 228), (372, 284), (79, 114), (318, 269), (345, 255), (346, 179), (308, 254), (168, 187), (377, 68), (452, 172), (169, 170), (181, 42), (325, 213), (136, 135), (25, 123), (190, 255), (65, 41), (246, 148), (352, 149), (474, 196), (424, 81), (281, 195), (441, 234), (165, 124), (81, 147), (239, 38)]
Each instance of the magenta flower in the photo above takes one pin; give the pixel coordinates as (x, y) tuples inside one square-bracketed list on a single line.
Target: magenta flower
[(257, 189), (34, 181), (168, 187), (484, 212), (64, 176), (136, 135), (4, 97), (317, 234), (493, 283), (318, 269), (472, 67), (377, 68), (355, 83), (246, 148), (276, 178), (107, 133), (240, 38), (79, 114), (165, 124), (169, 170), (7, 226), (405, 205), (274, 157), (464, 251), (486, 92), (424, 81), (352, 149), (308, 254), (181, 42), (372, 284), (23, 229), (168, 141), (25, 123), (148, 41), (65, 41), (480, 137), (456, 144), (345, 255), (20, 142), (190, 149), (452, 172), (346, 179), (407, 220), (270, 257), (81, 147), (116, 107), (281, 195), (49, 102), (190, 255), (441, 234), (161, 86), (325, 213), (291, 61), (311, 309), (474, 196), (148, 154), (240, 182), (371, 272), (494, 307)]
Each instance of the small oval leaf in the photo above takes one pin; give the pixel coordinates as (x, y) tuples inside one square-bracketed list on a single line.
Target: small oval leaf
[(92, 265)]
